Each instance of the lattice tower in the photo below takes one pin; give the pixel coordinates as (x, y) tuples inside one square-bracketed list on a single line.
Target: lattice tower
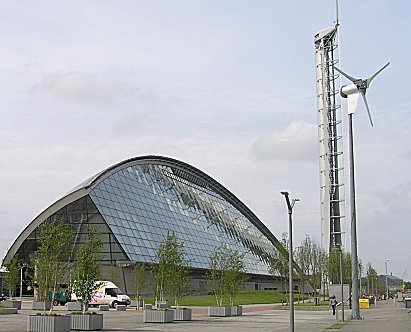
[(331, 144)]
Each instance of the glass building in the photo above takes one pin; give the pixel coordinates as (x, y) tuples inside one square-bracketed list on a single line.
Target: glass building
[(136, 202)]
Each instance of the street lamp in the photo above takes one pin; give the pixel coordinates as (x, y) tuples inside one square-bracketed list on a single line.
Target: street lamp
[(24, 265), (290, 206), (21, 284), (386, 279), (341, 281)]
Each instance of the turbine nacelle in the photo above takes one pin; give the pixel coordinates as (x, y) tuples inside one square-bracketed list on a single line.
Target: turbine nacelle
[(353, 91)]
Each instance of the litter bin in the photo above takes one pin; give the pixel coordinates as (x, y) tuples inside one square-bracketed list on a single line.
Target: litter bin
[(408, 302), (365, 304)]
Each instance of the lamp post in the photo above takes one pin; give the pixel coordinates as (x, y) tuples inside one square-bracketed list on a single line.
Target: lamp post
[(342, 284), (354, 258), (290, 206), (21, 283), (386, 279)]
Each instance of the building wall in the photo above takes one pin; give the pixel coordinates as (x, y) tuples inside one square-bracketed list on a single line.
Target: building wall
[(135, 204), (123, 277)]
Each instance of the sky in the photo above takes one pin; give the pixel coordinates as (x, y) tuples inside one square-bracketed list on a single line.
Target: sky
[(226, 86)]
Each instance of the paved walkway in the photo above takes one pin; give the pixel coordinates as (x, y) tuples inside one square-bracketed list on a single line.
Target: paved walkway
[(259, 318), (389, 316)]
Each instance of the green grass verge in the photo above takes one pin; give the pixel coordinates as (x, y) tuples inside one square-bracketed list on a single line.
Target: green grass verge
[(244, 297), (312, 304), (336, 326)]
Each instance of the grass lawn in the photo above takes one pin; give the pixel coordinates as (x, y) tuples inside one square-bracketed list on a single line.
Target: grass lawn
[(337, 326), (244, 297), (312, 304)]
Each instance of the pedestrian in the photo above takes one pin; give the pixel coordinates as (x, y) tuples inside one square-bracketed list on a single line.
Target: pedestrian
[(333, 303)]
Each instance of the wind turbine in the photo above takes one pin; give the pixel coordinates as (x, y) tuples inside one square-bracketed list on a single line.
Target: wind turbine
[(352, 93)]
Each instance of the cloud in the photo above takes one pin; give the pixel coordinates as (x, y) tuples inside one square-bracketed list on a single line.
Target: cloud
[(80, 87), (396, 198), (297, 142), (73, 86)]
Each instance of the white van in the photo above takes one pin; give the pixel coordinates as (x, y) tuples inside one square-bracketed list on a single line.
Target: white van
[(107, 293)]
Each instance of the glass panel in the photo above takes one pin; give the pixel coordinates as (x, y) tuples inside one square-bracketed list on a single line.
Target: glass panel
[(136, 207)]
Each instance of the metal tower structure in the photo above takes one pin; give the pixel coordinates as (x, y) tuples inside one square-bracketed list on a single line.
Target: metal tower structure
[(330, 138)]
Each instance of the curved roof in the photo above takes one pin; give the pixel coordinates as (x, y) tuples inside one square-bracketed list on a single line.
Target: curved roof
[(184, 171)]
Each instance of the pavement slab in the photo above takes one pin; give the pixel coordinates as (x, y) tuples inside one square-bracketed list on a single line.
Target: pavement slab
[(385, 317)]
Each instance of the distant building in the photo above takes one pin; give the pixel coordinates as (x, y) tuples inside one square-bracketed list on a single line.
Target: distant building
[(394, 283), (136, 202)]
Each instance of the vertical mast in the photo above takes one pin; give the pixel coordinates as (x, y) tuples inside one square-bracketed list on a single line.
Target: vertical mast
[(330, 138), (344, 243)]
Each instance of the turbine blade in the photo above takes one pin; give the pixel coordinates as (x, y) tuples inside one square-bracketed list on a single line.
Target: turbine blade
[(352, 79), (366, 105), (373, 76)]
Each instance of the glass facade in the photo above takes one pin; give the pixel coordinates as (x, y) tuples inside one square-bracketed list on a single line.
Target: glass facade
[(141, 203), (80, 214), (135, 204)]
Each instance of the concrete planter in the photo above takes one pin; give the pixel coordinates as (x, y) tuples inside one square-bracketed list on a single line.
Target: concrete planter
[(162, 304), (158, 316), (121, 307), (40, 305), (219, 311), (41, 323), (181, 314), (87, 322), (135, 303), (236, 310), (8, 311), (74, 306), (11, 304)]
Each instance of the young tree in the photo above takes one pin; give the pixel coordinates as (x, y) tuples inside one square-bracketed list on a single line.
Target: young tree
[(140, 280), (114, 275), (179, 284), (86, 269), (12, 277), (302, 257), (51, 257), (235, 276), (371, 278), (318, 266), (333, 267), (171, 272), (217, 274), (279, 263), (226, 274)]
